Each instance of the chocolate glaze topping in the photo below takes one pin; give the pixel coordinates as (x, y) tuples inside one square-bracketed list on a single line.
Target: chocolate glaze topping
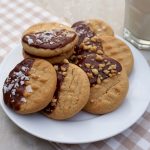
[(86, 48), (50, 39), (83, 31), (99, 68), (61, 70), (14, 85)]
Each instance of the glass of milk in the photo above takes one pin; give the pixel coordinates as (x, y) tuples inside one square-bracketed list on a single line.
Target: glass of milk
[(137, 23)]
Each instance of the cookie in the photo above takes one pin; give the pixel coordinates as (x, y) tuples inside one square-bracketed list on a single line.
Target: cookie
[(108, 81), (90, 28), (100, 27), (118, 50), (49, 39), (52, 60), (72, 92), (30, 86), (107, 46)]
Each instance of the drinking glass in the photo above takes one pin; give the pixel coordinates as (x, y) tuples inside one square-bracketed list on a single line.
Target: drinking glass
[(137, 23)]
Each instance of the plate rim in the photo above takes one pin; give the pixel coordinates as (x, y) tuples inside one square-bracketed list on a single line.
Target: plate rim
[(83, 141)]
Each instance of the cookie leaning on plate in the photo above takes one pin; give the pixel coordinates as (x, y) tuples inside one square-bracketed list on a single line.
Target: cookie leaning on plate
[(30, 86), (109, 83), (49, 39), (52, 60), (72, 92)]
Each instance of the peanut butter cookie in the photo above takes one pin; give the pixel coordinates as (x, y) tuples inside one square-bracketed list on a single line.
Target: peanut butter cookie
[(72, 92), (52, 60), (49, 39), (90, 28), (30, 86), (106, 46), (118, 50), (109, 83)]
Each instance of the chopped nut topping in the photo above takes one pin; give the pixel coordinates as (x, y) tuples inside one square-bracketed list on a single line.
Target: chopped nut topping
[(93, 39), (66, 61), (80, 56), (64, 73), (113, 71), (54, 100), (88, 65), (106, 71), (99, 52), (113, 66), (99, 58), (86, 47), (80, 65), (110, 75), (63, 68), (56, 67), (92, 66), (95, 71), (101, 65), (101, 78), (108, 63), (90, 75), (98, 80)]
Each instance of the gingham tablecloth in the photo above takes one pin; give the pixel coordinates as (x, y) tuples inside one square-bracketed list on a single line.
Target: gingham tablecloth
[(15, 16)]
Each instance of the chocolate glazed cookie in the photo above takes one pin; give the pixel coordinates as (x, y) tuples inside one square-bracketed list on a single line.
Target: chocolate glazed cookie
[(105, 46), (72, 92), (49, 39), (30, 86), (108, 81), (90, 28)]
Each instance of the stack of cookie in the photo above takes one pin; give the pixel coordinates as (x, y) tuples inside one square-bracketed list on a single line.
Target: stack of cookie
[(69, 69)]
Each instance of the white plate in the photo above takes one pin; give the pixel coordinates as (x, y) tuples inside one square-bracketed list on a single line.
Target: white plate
[(85, 127)]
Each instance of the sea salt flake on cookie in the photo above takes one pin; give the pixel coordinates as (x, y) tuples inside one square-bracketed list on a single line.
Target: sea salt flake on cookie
[(30, 41), (23, 100), (29, 89)]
